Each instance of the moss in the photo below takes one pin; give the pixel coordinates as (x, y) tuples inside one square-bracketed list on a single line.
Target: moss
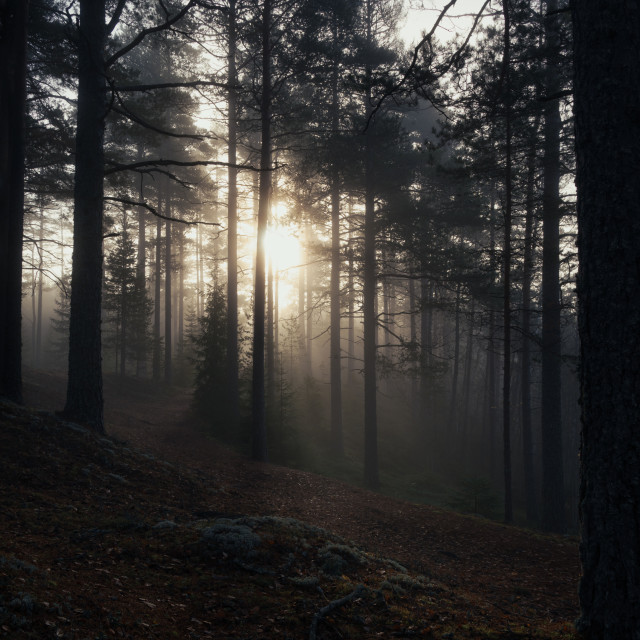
[(236, 540)]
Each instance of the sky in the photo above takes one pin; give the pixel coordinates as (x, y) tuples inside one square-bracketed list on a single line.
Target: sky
[(420, 20)]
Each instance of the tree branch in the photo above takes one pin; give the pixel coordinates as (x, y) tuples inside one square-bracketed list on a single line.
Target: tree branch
[(176, 163), (172, 85), (137, 119), (156, 213), (146, 32), (115, 18), (426, 40), (335, 604)]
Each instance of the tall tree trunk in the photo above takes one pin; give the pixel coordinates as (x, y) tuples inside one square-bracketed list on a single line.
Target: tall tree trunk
[(335, 350), (271, 358), (259, 443), (552, 466), (123, 302), (453, 413), (351, 329), (527, 271), (38, 344), (233, 393), (168, 267), (466, 380), (606, 88), (181, 291), (506, 315), (426, 345), (141, 277), (309, 277), (370, 291), (157, 311), (84, 386), (13, 41)]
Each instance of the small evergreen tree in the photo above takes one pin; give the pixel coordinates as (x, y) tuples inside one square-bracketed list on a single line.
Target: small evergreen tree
[(126, 304), (211, 381), (59, 344)]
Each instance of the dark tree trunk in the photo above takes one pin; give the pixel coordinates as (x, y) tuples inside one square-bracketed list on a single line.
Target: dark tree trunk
[(351, 303), (141, 277), (84, 388), (259, 443), (336, 352), (552, 466), (607, 84), (38, 344), (527, 272), (13, 40), (453, 413), (157, 312), (506, 315), (168, 268), (369, 292), (232, 223)]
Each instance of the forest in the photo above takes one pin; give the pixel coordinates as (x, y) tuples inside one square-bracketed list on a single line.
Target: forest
[(348, 230)]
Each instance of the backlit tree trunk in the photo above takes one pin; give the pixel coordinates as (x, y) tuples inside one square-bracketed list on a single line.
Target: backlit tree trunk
[(13, 40), (84, 388)]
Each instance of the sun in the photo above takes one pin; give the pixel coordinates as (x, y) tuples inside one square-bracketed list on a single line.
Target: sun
[(283, 248)]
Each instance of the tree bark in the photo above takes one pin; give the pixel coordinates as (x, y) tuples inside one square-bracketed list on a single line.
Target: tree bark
[(552, 466), (259, 443), (157, 312), (232, 223), (13, 42), (506, 314), (606, 87), (371, 473), (336, 352), (168, 268), (527, 272), (84, 386)]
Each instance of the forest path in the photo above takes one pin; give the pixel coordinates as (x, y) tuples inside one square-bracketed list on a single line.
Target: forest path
[(528, 577)]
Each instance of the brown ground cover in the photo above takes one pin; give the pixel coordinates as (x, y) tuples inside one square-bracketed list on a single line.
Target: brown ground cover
[(84, 513)]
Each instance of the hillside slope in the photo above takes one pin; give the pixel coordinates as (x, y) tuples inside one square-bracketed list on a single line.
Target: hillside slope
[(170, 535)]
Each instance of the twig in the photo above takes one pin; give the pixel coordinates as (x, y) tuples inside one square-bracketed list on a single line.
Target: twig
[(335, 604)]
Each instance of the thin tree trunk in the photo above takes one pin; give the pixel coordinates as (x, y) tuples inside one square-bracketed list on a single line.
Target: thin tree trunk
[(259, 444), (527, 271), (84, 387), (468, 364), (168, 266), (181, 292), (156, 365), (351, 346), (335, 348), (232, 224), (371, 473), (506, 316), (453, 413), (38, 345), (309, 274), (552, 461), (141, 277)]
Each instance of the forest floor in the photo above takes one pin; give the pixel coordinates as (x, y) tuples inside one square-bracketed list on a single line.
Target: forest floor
[(158, 531)]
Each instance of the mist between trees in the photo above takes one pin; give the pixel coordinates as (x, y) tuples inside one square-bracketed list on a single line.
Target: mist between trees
[(361, 257)]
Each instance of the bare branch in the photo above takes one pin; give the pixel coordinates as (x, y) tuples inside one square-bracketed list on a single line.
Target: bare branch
[(426, 40), (115, 18), (177, 163), (172, 85), (146, 32), (156, 213), (147, 125)]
